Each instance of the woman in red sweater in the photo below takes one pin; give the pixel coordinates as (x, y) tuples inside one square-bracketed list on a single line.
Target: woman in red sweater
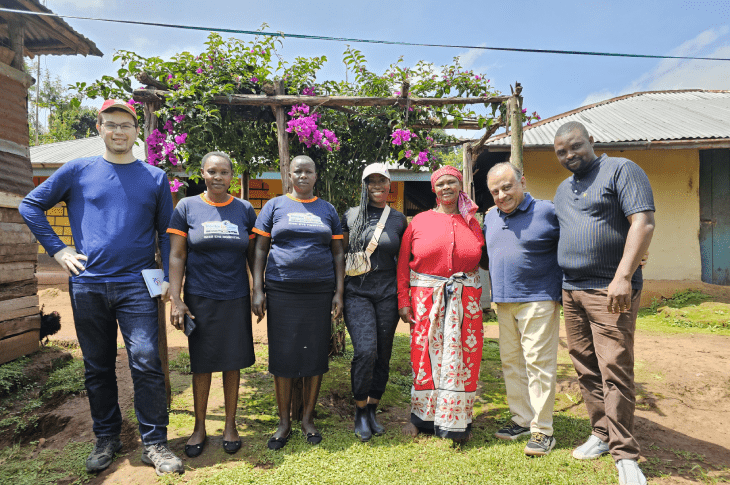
[(438, 295)]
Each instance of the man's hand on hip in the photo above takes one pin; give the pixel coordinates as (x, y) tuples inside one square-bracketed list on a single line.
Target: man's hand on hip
[(70, 260), (619, 295)]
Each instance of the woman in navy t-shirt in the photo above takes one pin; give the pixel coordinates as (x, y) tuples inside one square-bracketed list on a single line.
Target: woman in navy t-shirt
[(209, 237), (300, 245)]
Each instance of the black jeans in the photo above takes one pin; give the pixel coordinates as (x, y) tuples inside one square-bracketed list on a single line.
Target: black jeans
[(371, 316)]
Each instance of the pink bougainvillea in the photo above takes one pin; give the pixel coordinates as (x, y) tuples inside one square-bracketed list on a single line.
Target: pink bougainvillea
[(305, 127)]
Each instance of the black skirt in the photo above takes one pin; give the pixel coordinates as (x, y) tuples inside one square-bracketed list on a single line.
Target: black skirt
[(222, 339), (299, 325)]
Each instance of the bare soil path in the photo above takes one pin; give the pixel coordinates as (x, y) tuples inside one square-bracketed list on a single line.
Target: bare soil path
[(683, 408)]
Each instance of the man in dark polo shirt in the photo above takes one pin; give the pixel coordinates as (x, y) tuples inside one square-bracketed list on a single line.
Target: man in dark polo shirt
[(606, 215), (522, 239)]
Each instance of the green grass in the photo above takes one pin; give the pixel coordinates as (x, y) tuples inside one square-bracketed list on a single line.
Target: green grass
[(68, 379), (687, 311), (22, 466), (181, 363), (12, 376)]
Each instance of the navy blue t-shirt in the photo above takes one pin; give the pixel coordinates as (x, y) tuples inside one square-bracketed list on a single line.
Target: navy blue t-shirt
[(301, 232), (592, 207), (218, 237), (523, 252)]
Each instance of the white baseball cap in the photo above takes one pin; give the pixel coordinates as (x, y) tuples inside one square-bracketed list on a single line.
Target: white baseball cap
[(379, 168)]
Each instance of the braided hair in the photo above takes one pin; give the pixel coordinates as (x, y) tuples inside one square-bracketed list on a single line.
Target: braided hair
[(358, 228)]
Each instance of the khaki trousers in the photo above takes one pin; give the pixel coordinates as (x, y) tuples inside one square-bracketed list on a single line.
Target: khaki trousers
[(601, 345), (528, 347)]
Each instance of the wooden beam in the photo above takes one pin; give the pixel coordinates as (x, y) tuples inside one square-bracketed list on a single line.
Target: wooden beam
[(467, 170), (283, 137), (288, 100), (9, 200), (19, 345), (515, 119), (17, 308), (16, 36), (52, 27)]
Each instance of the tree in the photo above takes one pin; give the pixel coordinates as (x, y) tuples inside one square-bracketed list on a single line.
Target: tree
[(67, 119), (340, 140)]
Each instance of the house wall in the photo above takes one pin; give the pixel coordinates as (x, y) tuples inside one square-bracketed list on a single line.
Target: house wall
[(19, 313), (674, 177)]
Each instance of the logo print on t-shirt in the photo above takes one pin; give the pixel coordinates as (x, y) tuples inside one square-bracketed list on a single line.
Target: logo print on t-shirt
[(225, 228), (304, 219)]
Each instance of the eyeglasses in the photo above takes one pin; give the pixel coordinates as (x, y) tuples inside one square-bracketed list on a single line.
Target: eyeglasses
[(113, 126)]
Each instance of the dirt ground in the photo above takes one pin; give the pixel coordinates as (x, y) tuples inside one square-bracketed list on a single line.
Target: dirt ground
[(683, 408)]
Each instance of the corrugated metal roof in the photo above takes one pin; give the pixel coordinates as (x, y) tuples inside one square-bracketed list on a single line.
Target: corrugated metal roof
[(64, 151), (44, 35), (641, 117)]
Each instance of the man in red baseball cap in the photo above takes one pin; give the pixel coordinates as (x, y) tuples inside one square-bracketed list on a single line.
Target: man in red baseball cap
[(117, 206)]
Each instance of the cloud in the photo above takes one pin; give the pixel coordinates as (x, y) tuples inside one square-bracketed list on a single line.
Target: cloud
[(84, 4), (681, 73), (468, 58)]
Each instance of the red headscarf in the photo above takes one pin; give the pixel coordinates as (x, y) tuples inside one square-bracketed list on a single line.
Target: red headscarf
[(467, 207)]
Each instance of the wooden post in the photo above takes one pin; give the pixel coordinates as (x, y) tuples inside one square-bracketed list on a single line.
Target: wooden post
[(467, 170), (16, 36), (150, 125), (283, 138), (515, 119), (297, 388), (245, 183)]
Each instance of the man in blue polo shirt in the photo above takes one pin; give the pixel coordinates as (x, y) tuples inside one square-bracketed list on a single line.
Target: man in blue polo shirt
[(522, 238), (606, 215), (115, 203)]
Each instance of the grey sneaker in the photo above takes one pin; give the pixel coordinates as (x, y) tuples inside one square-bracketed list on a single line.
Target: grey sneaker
[(512, 432), (591, 449), (103, 453), (539, 445), (629, 473), (164, 460)]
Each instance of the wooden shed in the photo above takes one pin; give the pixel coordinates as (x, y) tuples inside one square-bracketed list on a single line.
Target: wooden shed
[(22, 35)]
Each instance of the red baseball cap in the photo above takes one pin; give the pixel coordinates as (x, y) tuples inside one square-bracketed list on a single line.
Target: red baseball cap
[(118, 103)]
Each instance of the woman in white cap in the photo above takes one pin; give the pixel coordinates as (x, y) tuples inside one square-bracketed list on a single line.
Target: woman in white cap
[(372, 233)]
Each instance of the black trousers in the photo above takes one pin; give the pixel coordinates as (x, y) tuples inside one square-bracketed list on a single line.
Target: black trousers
[(371, 316)]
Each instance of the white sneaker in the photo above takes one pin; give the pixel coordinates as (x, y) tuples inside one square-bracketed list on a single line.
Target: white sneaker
[(629, 473), (591, 449)]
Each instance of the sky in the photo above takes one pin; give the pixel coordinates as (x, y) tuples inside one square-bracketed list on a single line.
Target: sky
[(552, 84)]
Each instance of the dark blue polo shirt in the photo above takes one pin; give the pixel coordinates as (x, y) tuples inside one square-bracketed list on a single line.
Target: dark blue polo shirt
[(592, 207), (522, 248)]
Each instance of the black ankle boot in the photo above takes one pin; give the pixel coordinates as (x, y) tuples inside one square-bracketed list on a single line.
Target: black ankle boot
[(362, 428), (376, 427)]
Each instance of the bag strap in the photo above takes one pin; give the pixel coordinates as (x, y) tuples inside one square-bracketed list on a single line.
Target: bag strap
[(378, 231)]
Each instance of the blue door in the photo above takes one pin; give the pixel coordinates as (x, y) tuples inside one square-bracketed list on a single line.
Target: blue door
[(715, 216)]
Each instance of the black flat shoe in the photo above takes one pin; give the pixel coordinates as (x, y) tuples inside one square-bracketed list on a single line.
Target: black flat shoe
[(195, 450), (313, 438), (375, 427), (278, 443), (231, 447)]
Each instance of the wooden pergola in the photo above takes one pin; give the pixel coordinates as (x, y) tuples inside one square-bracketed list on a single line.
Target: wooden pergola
[(155, 91), (153, 94)]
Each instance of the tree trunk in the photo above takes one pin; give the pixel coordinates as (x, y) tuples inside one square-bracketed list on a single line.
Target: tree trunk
[(515, 118), (283, 138)]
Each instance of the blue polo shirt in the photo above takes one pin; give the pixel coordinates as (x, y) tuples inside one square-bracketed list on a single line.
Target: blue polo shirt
[(523, 252), (592, 207)]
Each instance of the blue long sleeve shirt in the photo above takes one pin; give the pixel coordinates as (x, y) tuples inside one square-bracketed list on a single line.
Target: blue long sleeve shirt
[(114, 211)]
